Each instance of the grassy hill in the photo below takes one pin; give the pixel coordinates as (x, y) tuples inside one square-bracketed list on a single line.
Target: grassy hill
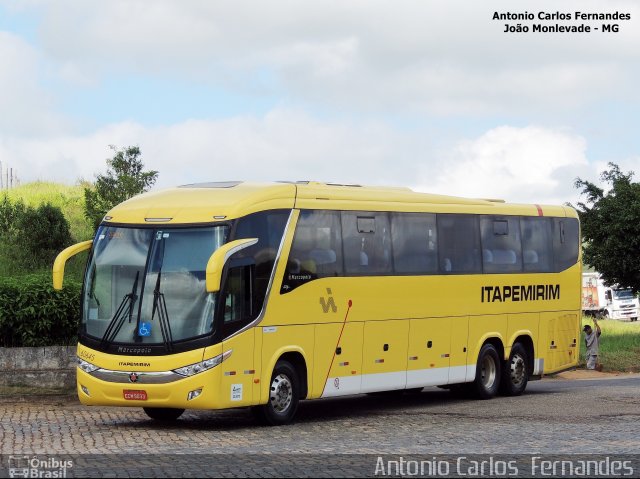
[(70, 199)]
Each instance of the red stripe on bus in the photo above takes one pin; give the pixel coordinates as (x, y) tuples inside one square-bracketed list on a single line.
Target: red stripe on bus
[(350, 303)]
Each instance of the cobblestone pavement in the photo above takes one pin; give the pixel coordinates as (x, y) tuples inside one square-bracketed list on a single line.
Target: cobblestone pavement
[(554, 417)]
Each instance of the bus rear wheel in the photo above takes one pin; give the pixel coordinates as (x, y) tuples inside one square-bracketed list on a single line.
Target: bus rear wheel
[(515, 374), (163, 413), (487, 379), (284, 396)]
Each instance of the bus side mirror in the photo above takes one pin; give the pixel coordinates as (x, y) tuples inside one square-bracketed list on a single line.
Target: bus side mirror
[(219, 258), (63, 257)]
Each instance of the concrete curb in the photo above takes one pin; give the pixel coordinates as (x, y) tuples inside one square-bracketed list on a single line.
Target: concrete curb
[(44, 367), (584, 375)]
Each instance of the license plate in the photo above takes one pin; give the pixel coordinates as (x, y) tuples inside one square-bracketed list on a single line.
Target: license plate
[(135, 395)]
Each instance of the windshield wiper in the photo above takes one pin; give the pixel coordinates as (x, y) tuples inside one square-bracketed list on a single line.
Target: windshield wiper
[(117, 321), (160, 305), (92, 290)]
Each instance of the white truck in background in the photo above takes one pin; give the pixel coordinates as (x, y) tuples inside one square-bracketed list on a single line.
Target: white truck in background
[(604, 301)]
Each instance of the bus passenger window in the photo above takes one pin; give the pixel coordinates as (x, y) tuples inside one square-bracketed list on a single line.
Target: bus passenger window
[(501, 247), (414, 240), (565, 242), (459, 244), (367, 243), (537, 252)]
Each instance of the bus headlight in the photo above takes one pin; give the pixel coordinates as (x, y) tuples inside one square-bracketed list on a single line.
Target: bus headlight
[(202, 365), (85, 366)]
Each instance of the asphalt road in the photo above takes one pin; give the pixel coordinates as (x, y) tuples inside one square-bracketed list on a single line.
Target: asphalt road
[(332, 437)]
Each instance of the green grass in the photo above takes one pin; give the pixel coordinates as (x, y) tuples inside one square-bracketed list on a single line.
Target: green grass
[(619, 345), (70, 199)]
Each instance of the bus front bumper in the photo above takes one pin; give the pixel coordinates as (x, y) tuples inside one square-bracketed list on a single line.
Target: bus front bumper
[(195, 392)]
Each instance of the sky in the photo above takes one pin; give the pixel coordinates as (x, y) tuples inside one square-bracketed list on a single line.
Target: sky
[(428, 94)]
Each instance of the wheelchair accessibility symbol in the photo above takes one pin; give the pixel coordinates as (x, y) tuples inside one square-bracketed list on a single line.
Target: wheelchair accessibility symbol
[(144, 329)]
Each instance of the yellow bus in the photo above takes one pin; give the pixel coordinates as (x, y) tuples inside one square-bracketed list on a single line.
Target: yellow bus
[(221, 295)]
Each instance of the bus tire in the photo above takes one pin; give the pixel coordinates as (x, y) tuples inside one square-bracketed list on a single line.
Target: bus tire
[(284, 396), (487, 381), (163, 413), (515, 374)]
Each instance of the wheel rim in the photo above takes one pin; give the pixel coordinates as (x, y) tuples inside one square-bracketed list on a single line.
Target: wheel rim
[(488, 372), (518, 370), (281, 393)]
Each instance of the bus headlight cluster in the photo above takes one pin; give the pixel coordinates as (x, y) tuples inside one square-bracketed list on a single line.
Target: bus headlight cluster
[(85, 366), (202, 366)]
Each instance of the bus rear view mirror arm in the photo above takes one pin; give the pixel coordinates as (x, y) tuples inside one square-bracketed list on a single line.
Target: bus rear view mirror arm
[(219, 258), (63, 257)]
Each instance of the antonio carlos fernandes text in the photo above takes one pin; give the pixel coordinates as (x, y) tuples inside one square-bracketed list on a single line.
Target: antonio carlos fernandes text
[(464, 466)]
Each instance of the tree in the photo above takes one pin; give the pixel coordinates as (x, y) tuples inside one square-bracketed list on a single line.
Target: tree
[(123, 179), (611, 227)]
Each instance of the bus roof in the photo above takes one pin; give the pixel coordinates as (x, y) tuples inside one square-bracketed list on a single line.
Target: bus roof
[(220, 201)]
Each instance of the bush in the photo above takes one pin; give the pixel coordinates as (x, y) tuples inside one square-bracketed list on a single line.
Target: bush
[(32, 313), (10, 216), (43, 232), (70, 199), (30, 238)]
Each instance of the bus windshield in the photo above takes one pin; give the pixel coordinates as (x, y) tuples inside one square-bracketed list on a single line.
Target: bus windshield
[(147, 285)]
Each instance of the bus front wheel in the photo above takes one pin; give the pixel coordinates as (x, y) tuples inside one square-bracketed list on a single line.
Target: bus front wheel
[(284, 396), (163, 413), (487, 379), (515, 374)]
